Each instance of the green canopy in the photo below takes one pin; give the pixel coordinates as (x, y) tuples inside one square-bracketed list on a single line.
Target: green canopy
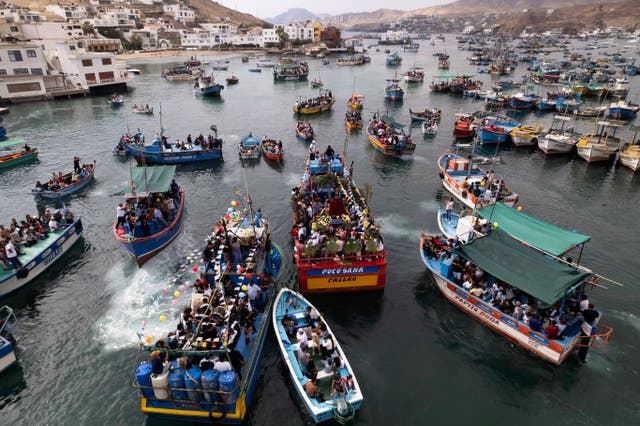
[(391, 122), (535, 232), (521, 266), (445, 76), (11, 142), (150, 179)]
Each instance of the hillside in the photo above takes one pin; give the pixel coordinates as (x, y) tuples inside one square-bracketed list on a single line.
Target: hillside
[(465, 7), (295, 15)]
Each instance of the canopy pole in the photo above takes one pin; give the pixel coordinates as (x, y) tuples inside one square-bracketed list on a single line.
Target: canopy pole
[(580, 254), (610, 280)]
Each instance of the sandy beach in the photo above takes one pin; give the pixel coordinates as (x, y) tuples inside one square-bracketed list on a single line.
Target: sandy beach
[(185, 53)]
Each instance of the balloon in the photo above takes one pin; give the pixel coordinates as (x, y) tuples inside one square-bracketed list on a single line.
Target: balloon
[(149, 339), (245, 288), (234, 203), (183, 287), (249, 275), (176, 293), (495, 225), (227, 217), (163, 317), (165, 291), (174, 303), (519, 208), (195, 269)]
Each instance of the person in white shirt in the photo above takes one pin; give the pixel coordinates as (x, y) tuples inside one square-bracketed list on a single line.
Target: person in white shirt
[(252, 291), (53, 224), (301, 336), (221, 366), (121, 213), (12, 255)]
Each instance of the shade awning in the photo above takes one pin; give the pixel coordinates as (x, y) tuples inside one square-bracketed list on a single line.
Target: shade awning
[(391, 122), (150, 179), (535, 232), (12, 142), (521, 266)]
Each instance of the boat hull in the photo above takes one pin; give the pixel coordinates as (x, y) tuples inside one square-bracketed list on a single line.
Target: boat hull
[(631, 162), (23, 159), (214, 90), (390, 150), (335, 277), (7, 355), (593, 154), (556, 144), (154, 157), (44, 259), (315, 109), (71, 189)]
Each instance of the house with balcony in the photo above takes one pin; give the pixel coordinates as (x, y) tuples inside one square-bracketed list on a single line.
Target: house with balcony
[(180, 13)]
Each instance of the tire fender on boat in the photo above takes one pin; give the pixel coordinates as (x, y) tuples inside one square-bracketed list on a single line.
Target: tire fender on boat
[(22, 272), (441, 175), (464, 194)]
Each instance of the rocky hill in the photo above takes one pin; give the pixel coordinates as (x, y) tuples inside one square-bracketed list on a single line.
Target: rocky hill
[(296, 15), (465, 7)]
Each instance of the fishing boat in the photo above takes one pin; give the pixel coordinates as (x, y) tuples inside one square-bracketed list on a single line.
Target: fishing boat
[(290, 319), (35, 259), (444, 63), (353, 120), (356, 102), (527, 135), (388, 137), (142, 109), (161, 151), (527, 264), (288, 69), (232, 80), (3, 130), (321, 103), (393, 59), (201, 393), (355, 259), (590, 111), (350, 60), (7, 341), (471, 185), (272, 149), (181, 74), (559, 139), (141, 237), (207, 86), (304, 131), (115, 101), (567, 106), (220, 66), (523, 101), (601, 144), (630, 153), (10, 158), (73, 183), (249, 148), (316, 83), (465, 126), (623, 110), (492, 133), (255, 69), (429, 128), (393, 91), (433, 114), (414, 75)]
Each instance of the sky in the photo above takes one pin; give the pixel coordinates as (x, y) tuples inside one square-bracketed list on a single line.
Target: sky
[(269, 8)]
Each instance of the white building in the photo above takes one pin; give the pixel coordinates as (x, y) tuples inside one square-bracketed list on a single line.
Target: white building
[(68, 12), (22, 71), (394, 36), (180, 13), (269, 36)]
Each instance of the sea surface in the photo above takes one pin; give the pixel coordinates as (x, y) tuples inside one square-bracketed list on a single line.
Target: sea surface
[(419, 360)]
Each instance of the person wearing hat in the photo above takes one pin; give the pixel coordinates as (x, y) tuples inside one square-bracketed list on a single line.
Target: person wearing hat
[(159, 364)]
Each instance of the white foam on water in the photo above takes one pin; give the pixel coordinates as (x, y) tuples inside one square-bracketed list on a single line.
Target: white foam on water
[(429, 206), (397, 226), (136, 304), (293, 179)]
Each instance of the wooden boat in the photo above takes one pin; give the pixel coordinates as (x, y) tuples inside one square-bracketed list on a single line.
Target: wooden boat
[(70, 186), (316, 83), (590, 111), (232, 80), (325, 103), (392, 91), (464, 127), (356, 102), (414, 75), (12, 159), (353, 121), (115, 101), (271, 150), (207, 86), (143, 239), (304, 131), (358, 264), (520, 261), (559, 139), (567, 105), (433, 114), (249, 148), (204, 395), (463, 180), (339, 406), (40, 256), (623, 110), (388, 145), (288, 69), (142, 109), (7, 341), (630, 153), (429, 128), (393, 59), (182, 74), (526, 135), (601, 144), (161, 151)]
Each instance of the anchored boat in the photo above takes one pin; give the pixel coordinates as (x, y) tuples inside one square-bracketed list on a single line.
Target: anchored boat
[(324, 102), (336, 394), (559, 139), (249, 148), (207, 86), (15, 158), (272, 149), (304, 131), (72, 182)]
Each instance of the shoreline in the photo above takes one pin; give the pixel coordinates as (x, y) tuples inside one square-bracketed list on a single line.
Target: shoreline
[(185, 53)]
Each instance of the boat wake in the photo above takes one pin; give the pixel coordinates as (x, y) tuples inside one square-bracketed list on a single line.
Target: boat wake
[(145, 304), (398, 226)]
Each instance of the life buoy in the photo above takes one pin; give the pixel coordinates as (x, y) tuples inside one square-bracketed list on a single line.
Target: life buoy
[(441, 175), (464, 194), (22, 273)]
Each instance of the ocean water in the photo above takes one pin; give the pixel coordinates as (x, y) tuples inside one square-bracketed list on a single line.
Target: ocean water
[(419, 360)]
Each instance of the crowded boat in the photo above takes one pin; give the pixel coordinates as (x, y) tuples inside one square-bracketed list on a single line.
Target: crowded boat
[(388, 136)]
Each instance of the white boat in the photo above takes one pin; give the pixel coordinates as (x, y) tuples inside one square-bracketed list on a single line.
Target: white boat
[(601, 144), (559, 140), (142, 109), (630, 157), (429, 129), (341, 407), (7, 342)]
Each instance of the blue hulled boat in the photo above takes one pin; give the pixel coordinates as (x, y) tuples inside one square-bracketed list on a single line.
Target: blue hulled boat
[(115, 101), (622, 110), (249, 148), (7, 341), (206, 86), (546, 104), (522, 101), (38, 257), (393, 59), (492, 133), (393, 91), (290, 321), (208, 392), (161, 151), (151, 190), (69, 187)]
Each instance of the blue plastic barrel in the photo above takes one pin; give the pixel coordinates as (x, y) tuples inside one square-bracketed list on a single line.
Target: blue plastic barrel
[(209, 381), (227, 382), (176, 381), (192, 381), (143, 378)]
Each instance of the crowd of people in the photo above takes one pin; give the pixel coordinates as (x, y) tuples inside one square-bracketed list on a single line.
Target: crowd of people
[(355, 102), (332, 218), (388, 134), (317, 355), (325, 98), (272, 146), (300, 68), (564, 319), (354, 117), (144, 216), (304, 128), (28, 232), (487, 188), (210, 142), (60, 181)]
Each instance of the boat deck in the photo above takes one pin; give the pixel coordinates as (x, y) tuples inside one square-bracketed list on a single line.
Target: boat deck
[(29, 253)]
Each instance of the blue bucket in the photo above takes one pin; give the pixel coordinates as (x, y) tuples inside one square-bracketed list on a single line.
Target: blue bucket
[(209, 380), (192, 381), (143, 378)]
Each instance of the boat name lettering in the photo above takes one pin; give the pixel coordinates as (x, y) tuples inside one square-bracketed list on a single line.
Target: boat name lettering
[(51, 257), (490, 317), (341, 279), (467, 304), (339, 271)]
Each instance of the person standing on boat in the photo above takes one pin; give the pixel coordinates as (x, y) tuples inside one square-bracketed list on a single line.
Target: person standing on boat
[(587, 330), (12, 255), (158, 364), (449, 207), (76, 164)]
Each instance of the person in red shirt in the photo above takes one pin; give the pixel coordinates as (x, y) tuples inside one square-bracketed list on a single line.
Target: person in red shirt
[(552, 330)]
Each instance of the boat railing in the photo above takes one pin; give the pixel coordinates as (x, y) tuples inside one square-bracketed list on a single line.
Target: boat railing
[(597, 340), (342, 261), (200, 398)]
